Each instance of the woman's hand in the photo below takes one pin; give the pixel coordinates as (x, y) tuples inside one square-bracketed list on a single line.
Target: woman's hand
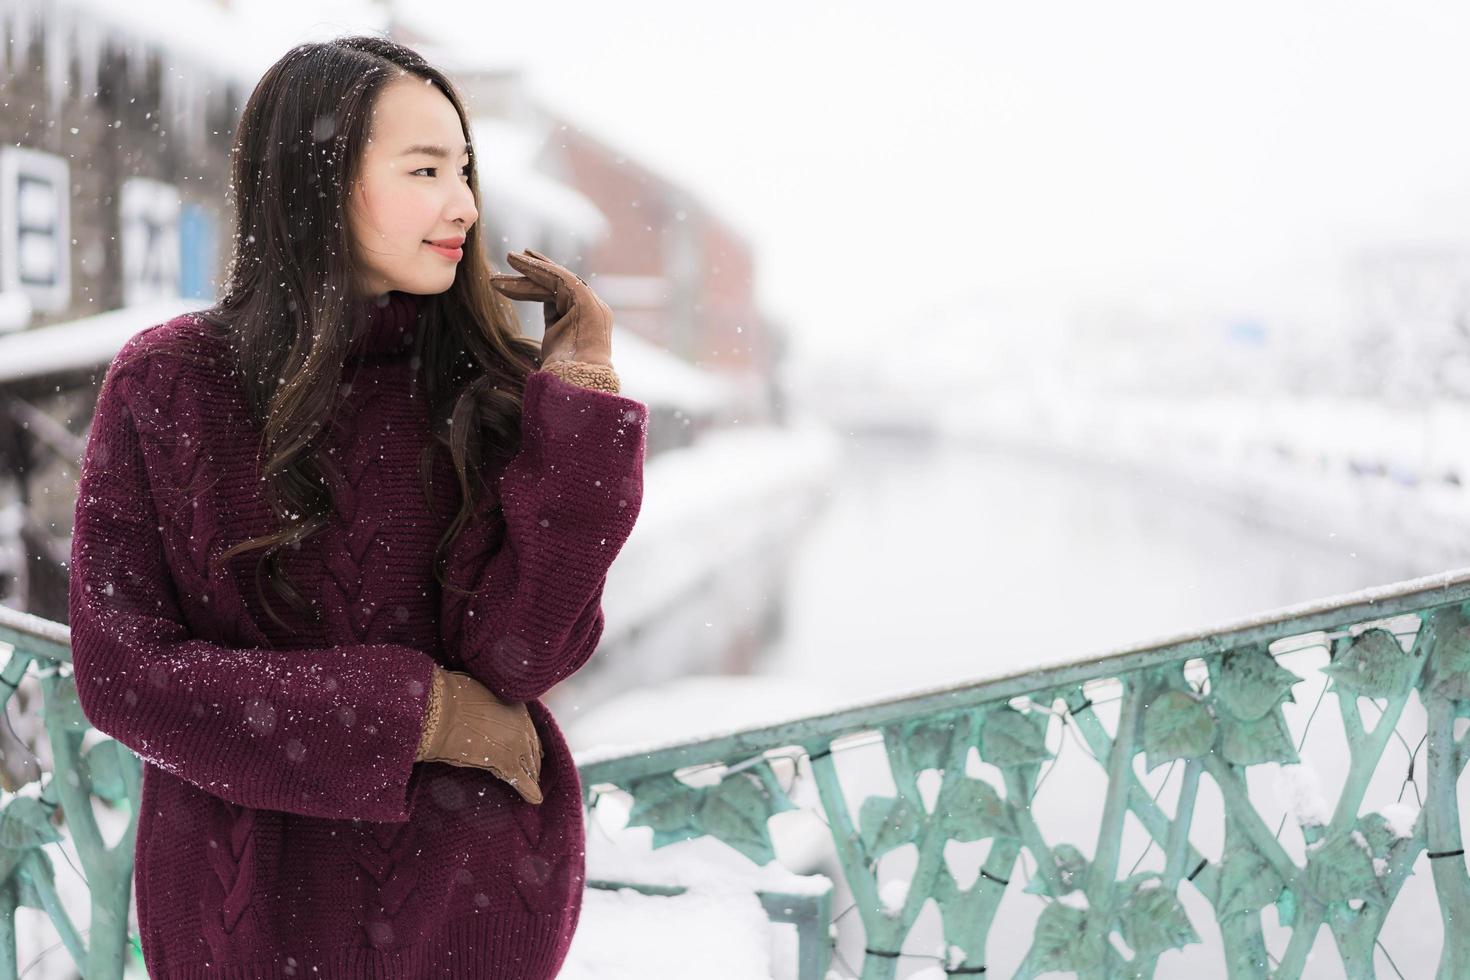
[(578, 323), (477, 729)]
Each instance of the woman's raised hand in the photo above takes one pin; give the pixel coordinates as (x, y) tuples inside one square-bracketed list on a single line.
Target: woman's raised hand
[(578, 323)]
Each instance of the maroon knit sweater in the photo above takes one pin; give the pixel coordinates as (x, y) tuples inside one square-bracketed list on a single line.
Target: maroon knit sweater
[(285, 828)]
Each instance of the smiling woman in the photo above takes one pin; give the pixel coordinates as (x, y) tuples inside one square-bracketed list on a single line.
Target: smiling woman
[(366, 782), (413, 203)]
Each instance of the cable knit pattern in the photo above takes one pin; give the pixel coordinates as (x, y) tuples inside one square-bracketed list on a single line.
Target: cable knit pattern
[(286, 829)]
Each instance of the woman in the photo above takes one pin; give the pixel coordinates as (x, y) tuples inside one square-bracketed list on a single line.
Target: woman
[(335, 538)]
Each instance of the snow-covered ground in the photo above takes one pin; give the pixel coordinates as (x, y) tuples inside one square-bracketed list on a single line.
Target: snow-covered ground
[(703, 570), (716, 929), (1378, 475)]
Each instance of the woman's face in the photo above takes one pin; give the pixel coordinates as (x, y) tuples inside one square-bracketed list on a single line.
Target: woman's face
[(407, 196)]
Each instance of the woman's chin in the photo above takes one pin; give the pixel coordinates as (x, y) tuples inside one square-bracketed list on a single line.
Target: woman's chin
[(426, 285), (438, 281)]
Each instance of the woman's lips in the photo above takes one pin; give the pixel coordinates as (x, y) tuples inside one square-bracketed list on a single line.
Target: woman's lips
[(454, 254)]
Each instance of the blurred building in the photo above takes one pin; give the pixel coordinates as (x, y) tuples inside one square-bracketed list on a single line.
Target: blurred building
[(691, 339), (115, 130), (114, 148)]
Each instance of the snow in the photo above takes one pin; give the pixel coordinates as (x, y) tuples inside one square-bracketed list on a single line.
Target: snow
[(893, 893), (698, 708), (1400, 818), (507, 152), (626, 854), (657, 378), (673, 713), (711, 933), (688, 708), (648, 372), (769, 460), (194, 40), (1300, 791), (800, 838), (82, 343), (1331, 463), (720, 520), (716, 927)]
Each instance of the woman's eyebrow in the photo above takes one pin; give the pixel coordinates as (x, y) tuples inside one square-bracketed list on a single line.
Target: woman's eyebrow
[(430, 150)]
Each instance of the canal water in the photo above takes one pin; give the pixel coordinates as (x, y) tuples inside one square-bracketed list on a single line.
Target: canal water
[(944, 562)]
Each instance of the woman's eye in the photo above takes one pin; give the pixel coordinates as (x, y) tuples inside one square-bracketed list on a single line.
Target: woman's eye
[(463, 173)]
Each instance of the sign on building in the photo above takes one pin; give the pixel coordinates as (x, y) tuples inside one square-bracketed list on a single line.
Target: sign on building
[(149, 213), (35, 227)]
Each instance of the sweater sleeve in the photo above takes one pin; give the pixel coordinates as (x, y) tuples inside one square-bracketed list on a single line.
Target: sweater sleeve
[(534, 559), (324, 732)]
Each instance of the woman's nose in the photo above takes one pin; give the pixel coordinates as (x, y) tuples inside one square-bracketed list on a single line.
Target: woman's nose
[(466, 212)]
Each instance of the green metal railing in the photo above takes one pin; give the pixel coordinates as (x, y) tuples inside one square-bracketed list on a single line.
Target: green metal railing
[(1172, 736), (107, 770), (1205, 712)]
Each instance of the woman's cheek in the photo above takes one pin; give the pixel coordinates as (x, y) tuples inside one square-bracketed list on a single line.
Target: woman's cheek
[(402, 217)]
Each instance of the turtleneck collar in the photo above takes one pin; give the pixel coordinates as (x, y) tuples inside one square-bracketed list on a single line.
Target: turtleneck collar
[(383, 326)]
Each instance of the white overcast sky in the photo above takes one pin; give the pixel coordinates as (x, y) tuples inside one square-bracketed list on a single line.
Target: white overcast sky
[(882, 156)]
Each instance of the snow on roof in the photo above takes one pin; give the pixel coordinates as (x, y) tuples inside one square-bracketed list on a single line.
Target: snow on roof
[(648, 373), (86, 342), (241, 40), (194, 42), (505, 153)]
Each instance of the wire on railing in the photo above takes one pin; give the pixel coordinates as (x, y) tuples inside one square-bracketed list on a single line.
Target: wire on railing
[(49, 949), (1151, 842), (1379, 944), (1410, 778)]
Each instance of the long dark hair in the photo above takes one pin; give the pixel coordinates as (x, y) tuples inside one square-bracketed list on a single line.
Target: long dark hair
[(289, 293)]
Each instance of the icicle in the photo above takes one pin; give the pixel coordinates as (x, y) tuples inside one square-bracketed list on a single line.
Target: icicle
[(56, 41), (85, 31)]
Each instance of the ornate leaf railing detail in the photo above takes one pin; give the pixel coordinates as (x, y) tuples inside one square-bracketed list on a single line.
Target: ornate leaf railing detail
[(107, 770), (734, 811), (1203, 716)]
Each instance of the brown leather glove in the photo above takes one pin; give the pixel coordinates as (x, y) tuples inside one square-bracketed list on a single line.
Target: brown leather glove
[(578, 323), (467, 725)]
